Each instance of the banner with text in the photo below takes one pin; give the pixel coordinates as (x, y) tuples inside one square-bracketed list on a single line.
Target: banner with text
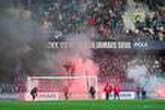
[(112, 45)]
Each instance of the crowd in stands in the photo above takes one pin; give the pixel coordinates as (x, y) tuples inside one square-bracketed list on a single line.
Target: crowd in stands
[(61, 17), (16, 86), (114, 67), (11, 88)]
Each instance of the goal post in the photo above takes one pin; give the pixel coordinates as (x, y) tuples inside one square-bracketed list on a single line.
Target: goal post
[(53, 87)]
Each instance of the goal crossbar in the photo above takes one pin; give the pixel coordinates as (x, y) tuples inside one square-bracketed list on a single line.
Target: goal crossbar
[(61, 77)]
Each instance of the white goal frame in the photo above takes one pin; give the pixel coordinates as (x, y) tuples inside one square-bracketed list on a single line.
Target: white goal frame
[(30, 78)]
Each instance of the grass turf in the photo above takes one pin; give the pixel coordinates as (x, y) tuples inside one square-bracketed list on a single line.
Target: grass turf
[(85, 105)]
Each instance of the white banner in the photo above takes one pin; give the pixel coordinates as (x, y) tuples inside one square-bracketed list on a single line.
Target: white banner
[(43, 96), (123, 95), (9, 96)]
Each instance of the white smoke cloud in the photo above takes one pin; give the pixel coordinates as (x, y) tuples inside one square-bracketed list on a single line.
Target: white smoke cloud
[(139, 73)]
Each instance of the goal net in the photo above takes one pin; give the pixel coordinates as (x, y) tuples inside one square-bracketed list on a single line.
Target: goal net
[(58, 87)]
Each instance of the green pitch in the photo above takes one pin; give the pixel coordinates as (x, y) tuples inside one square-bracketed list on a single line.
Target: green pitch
[(85, 105)]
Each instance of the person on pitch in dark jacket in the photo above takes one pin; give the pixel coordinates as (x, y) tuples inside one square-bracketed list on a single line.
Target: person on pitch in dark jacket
[(92, 92), (143, 92), (66, 93), (138, 92), (34, 93)]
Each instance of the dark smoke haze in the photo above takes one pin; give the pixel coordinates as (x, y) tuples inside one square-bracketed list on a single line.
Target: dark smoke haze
[(22, 43)]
